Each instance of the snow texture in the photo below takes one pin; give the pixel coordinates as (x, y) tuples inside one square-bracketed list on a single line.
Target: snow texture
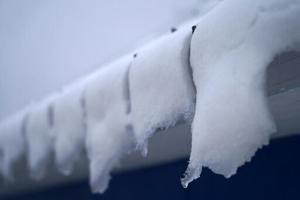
[(68, 130), (38, 137), (161, 87), (221, 66), (12, 142), (229, 62), (109, 133)]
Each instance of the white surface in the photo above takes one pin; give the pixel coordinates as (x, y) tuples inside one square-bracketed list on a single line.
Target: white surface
[(161, 88), (67, 130), (167, 156), (108, 136), (229, 58), (38, 138), (283, 77), (46, 45)]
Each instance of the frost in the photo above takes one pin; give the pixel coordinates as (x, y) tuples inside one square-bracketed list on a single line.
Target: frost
[(161, 88), (229, 61), (38, 137), (12, 143), (68, 128), (109, 134)]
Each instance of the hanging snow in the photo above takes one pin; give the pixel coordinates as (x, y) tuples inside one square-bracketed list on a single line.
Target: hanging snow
[(161, 88), (109, 134), (230, 51), (68, 128), (223, 64), (38, 138), (12, 142)]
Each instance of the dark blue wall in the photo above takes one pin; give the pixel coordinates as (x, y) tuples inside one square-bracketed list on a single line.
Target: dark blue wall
[(274, 173)]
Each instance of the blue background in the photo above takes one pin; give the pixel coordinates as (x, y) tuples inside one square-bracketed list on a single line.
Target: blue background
[(274, 173)]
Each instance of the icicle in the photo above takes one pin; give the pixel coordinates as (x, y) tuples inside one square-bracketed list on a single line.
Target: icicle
[(38, 138), (230, 51), (162, 92), (68, 128), (109, 135), (12, 142)]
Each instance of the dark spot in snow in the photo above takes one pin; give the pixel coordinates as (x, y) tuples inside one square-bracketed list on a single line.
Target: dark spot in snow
[(173, 30), (135, 55), (194, 28)]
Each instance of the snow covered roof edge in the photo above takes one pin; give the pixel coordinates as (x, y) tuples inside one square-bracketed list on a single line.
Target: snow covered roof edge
[(113, 111)]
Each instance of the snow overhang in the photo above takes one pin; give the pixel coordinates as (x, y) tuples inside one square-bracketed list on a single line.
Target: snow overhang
[(284, 97), (221, 67)]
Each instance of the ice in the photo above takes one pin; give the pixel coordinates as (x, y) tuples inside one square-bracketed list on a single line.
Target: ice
[(68, 130), (38, 137), (230, 51), (161, 88), (12, 143), (109, 134)]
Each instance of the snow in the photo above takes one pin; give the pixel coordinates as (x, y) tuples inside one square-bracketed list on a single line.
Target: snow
[(12, 142), (38, 137), (47, 45), (161, 88), (229, 62), (109, 133), (216, 75), (68, 128)]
